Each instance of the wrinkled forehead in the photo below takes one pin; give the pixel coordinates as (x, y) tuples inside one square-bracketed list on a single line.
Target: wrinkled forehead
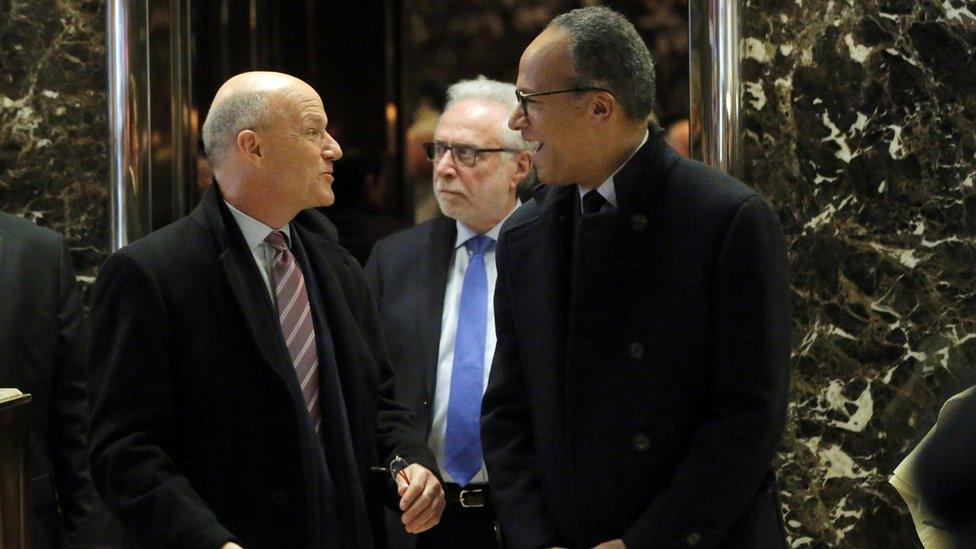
[(301, 102), (473, 122)]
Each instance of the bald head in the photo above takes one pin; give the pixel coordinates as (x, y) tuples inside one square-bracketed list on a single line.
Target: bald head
[(266, 137), (251, 100)]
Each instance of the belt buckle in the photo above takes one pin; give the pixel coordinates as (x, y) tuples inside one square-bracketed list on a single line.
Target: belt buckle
[(477, 496)]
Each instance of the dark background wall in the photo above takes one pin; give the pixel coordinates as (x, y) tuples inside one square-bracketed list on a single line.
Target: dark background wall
[(447, 41)]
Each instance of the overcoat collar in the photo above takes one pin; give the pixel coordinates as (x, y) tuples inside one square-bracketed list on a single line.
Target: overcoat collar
[(541, 246)]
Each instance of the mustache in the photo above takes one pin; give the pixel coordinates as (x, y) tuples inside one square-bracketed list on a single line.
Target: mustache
[(441, 186)]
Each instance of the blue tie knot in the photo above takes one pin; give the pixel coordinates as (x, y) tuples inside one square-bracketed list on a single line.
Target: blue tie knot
[(479, 244)]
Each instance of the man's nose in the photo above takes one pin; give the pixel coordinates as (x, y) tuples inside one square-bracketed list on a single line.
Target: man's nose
[(331, 149), (517, 120), (443, 166)]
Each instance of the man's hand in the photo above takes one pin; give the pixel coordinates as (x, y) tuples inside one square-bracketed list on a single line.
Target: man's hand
[(612, 544), (231, 545), (422, 500)]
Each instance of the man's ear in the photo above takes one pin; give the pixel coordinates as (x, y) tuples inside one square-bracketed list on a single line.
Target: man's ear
[(603, 105), (523, 164), (249, 144)]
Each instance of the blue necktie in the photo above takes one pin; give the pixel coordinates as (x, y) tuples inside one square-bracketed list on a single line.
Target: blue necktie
[(462, 444)]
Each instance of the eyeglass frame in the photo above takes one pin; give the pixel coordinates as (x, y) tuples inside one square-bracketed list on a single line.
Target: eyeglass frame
[(430, 151), (522, 97)]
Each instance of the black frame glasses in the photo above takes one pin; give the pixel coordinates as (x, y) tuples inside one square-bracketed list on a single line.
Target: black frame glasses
[(524, 97), (463, 154)]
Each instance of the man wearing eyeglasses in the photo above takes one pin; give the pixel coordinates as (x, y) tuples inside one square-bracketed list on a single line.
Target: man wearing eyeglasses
[(434, 285), (639, 385)]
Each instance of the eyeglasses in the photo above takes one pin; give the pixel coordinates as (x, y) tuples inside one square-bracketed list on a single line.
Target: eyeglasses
[(523, 98), (465, 154)]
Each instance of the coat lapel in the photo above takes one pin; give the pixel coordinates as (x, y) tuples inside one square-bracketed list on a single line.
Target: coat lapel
[(328, 263), (443, 232), (245, 282), (540, 253)]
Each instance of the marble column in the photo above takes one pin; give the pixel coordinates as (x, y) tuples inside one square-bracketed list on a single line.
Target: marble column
[(53, 128), (860, 128)]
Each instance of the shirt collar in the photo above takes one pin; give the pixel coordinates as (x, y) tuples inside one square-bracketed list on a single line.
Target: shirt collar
[(607, 188), (464, 233), (253, 230)]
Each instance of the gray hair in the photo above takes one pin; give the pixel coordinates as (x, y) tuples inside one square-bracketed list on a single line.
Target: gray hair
[(607, 52), (243, 111), (483, 89)]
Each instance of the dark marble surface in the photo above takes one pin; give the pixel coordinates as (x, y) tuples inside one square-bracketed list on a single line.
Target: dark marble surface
[(860, 120), (53, 121)]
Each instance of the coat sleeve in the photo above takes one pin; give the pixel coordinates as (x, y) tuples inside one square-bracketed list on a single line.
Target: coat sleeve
[(396, 433), (507, 436), (945, 471), (85, 521), (731, 451), (132, 438)]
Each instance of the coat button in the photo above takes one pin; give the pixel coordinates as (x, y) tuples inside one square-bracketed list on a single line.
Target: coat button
[(562, 219), (638, 223), (279, 499), (426, 404), (693, 539), (636, 350), (641, 442)]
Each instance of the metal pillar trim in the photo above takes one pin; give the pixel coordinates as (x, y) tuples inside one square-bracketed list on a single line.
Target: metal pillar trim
[(715, 38)]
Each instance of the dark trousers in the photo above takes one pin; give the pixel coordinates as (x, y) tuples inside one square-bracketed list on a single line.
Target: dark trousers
[(462, 527)]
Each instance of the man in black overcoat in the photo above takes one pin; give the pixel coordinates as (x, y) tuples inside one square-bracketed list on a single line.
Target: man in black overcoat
[(241, 391), (639, 386), (42, 352)]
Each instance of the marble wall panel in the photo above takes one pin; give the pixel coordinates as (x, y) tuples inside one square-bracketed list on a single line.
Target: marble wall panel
[(53, 121), (860, 124)]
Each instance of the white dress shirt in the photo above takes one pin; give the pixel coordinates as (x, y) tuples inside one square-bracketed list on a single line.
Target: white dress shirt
[(449, 321), (607, 189), (254, 234)]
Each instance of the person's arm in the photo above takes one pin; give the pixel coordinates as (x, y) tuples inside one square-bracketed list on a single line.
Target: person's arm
[(396, 434), (733, 448), (506, 433), (133, 413), (422, 494), (84, 519)]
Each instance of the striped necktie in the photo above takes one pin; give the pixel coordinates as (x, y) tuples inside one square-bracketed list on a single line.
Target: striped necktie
[(295, 317)]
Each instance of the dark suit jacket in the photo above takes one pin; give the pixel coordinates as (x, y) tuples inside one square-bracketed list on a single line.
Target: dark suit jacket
[(945, 469), (199, 429), (639, 386), (42, 352), (407, 273)]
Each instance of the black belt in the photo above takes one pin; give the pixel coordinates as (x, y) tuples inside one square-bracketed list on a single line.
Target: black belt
[(472, 496)]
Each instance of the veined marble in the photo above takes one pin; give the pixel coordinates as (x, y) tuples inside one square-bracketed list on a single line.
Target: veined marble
[(53, 121), (860, 124)]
